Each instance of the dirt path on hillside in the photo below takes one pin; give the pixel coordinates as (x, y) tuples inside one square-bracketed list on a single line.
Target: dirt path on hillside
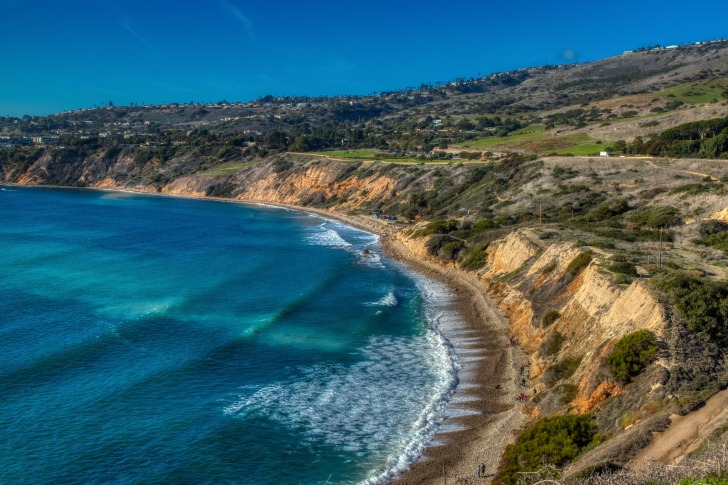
[(652, 163), (684, 435)]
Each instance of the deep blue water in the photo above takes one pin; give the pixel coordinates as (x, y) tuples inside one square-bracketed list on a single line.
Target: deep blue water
[(148, 339)]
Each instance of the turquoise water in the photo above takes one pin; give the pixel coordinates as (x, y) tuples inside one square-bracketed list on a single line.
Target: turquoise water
[(148, 339)]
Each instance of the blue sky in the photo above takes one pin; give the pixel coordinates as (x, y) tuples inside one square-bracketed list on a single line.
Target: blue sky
[(67, 54)]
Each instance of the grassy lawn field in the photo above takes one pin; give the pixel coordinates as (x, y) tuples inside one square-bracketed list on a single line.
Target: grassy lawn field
[(535, 139), (583, 150), (349, 154), (531, 133)]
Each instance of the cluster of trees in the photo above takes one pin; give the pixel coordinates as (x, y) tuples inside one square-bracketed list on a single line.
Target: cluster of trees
[(699, 139)]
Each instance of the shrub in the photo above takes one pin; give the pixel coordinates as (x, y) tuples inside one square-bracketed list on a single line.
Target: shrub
[(438, 227), (632, 354), (562, 370), (551, 440), (476, 258), (657, 216), (549, 268), (703, 303), (552, 344), (484, 224), (714, 234), (608, 209), (623, 267), (550, 317), (580, 262), (622, 279), (708, 228)]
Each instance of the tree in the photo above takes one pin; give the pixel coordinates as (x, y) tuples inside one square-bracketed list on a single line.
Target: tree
[(636, 146)]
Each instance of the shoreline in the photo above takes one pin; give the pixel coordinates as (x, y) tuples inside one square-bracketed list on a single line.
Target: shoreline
[(482, 414)]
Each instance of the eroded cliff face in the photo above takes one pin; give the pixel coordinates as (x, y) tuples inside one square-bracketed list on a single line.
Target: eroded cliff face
[(527, 276), (321, 181), (594, 313), (282, 179)]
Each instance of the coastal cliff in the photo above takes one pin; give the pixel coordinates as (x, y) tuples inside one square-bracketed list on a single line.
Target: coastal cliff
[(567, 305)]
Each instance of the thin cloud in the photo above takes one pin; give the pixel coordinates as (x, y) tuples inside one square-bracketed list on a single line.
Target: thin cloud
[(126, 25), (244, 21)]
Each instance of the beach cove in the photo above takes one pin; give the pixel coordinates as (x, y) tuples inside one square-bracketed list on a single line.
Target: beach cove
[(483, 412)]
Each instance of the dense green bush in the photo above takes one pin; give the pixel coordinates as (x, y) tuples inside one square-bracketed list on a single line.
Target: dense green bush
[(623, 267), (550, 317), (608, 209), (657, 216), (475, 258), (554, 440), (444, 247), (632, 354), (714, 234), (438, 227), (580, 262), (702, 302), (711, 227), (562, 370), (622, 279)]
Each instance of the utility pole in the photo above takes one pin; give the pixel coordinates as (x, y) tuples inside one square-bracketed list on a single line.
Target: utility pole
[(660, 251)]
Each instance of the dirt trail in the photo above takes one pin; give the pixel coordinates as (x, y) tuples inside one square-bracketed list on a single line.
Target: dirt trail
[(684, 435), (651, 163)]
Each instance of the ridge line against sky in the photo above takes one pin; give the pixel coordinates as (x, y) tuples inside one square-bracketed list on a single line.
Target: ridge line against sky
[(67, 55)]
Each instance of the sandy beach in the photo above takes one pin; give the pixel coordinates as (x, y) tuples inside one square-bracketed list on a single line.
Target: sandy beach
[(484, 410)]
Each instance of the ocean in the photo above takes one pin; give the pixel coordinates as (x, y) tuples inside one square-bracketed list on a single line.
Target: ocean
[(148, 339)]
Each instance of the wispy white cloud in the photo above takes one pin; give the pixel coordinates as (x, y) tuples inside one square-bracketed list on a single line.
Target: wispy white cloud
[(244, 21), (126, 25)]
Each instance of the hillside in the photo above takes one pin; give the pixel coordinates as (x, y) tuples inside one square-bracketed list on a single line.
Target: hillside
[(613, 271)]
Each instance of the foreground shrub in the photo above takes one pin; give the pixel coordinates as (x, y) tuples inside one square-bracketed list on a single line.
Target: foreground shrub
[(623, 267), (475, 258), (562, 370), (632, 354), (657, 216), (578, 263), (552, 440), (702, 302)]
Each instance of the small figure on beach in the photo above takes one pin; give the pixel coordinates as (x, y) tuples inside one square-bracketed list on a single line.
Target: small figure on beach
[(482, 470), (522, 368), (523, 382)]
